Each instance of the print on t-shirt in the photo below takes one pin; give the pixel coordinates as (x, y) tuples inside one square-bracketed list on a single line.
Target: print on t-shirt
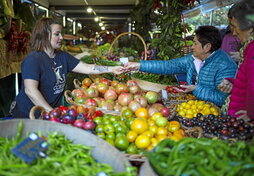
[(60, 80)]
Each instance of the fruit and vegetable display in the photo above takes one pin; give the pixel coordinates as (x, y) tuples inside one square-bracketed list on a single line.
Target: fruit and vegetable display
[(222, 126), (113, 95), (132, 132), (77, 116), (191, 108), (203, 156), (62, 157)]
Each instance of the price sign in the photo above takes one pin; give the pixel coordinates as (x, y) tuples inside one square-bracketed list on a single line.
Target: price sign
[(31, 148)]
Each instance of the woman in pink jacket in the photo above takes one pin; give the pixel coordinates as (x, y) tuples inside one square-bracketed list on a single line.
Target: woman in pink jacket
[(241, 102)]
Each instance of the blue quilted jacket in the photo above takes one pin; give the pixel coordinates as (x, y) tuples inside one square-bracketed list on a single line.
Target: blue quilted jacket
[(217, 66)]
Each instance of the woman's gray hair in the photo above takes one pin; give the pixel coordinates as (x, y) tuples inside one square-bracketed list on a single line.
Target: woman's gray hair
[(240, 11)]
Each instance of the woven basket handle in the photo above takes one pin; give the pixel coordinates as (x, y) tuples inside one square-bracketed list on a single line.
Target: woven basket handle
[(68, 97), (77, 84), (133, 33), (35, 108), (197, 130)]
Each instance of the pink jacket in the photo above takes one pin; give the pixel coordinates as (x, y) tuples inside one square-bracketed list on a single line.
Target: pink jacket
[(242, 96)]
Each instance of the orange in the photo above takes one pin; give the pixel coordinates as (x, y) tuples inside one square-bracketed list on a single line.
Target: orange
[(142, 113), (180, 131), (80, 109), (131, 136), (162, 131), (142, 141), (173, 128), (174, 123), (139, 126), (175, 138), (179, 134)]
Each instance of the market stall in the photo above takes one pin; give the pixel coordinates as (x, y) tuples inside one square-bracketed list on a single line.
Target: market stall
[(133, 123)]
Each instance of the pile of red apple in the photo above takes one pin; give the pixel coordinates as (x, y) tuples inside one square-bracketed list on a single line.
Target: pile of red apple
[(114, 95), (77, 116)]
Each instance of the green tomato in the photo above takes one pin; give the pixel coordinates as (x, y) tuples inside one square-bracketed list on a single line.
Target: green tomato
[(99, 129), (121, 129), (132, 149), (101, 135), (98, 120), (121, 143), (110, 135), (109, 128)]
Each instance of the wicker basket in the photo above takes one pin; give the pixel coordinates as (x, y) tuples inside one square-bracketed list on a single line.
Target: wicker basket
[(69, 99), (172, 109), (34, 109), (127, 33), (194, 132), (146, 85), (135, 158), (93, 76)]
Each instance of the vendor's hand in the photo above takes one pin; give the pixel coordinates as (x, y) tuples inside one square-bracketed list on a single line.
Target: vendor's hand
[(131, 66), (225, 86), (117, 70), (243, 115), (186, 88), (235, 56)]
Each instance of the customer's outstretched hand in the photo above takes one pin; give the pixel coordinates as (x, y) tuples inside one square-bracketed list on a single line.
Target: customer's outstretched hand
[(185, 88), (225, 86), (117, 70), (131, 66)]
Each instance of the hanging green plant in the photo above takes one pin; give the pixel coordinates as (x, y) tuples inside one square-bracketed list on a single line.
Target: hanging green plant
[(169, 21), (140, 16)]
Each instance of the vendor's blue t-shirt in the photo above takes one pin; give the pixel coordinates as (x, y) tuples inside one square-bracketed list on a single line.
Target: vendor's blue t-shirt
[(51, 75)]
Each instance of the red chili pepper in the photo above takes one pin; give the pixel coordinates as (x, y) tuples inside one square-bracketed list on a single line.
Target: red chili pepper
[(93, 116), (63, 108), (98, 113)]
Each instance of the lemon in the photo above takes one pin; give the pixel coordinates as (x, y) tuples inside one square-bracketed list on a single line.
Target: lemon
[(181, 113), (191, 102)]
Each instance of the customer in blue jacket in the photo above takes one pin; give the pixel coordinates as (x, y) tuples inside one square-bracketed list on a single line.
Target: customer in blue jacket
[(205, 68)]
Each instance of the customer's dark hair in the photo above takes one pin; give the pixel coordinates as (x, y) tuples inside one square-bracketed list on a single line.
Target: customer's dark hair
[(240, 11), (209, 34)]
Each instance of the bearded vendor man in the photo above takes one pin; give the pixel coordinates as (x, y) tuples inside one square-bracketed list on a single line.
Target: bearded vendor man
[(205, 68)]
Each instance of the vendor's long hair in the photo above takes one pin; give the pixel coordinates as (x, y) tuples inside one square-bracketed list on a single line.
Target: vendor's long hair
[(41, 34)]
